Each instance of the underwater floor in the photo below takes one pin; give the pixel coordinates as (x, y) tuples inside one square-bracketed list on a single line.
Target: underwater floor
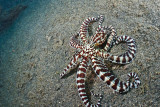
[(34, 50)]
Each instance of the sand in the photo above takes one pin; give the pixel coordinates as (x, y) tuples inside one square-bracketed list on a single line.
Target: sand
[(35, 50)]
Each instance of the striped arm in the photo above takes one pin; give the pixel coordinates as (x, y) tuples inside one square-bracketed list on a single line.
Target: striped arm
[(110, 38), (75, 43), (84, 28), (100, 37), (104, 74), (102, 54), (75, 59), (98, 29), (81, 73), (128, 56), (136, 80), (101, 18), (100, 33)]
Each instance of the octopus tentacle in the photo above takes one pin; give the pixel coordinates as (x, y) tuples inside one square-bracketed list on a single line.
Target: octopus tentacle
[(110, 38), (75, 59), (99, 37), (81, 73), (102, 34), (124, 58), (128, 56), (84, 28), (102, 54), (99, 95), (136, 80), (101, 18), (104, 74), (75, 43)]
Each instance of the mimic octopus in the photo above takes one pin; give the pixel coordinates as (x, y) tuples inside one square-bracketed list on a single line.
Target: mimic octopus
[(90, 51)]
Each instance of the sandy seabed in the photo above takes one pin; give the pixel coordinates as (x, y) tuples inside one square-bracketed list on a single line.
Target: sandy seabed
[(35, 50)]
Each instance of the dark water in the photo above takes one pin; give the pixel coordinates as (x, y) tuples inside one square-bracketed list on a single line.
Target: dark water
[(12, 12)]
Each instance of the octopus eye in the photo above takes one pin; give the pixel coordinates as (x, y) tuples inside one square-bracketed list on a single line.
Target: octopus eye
[(96, 44)]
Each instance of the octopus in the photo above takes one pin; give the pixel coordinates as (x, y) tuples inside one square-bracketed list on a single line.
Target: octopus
[(91, 50)]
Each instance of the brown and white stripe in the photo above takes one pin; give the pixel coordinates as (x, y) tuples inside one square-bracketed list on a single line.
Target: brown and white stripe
[(74, 61), (114, 83), (110, 38), (75, 43), (84, 27), (81, 73), (100, 37), (101, 18), (128, 56), (136, 80), (124, 58)]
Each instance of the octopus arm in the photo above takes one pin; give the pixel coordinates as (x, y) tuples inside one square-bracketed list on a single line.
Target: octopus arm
[(104, 74)]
